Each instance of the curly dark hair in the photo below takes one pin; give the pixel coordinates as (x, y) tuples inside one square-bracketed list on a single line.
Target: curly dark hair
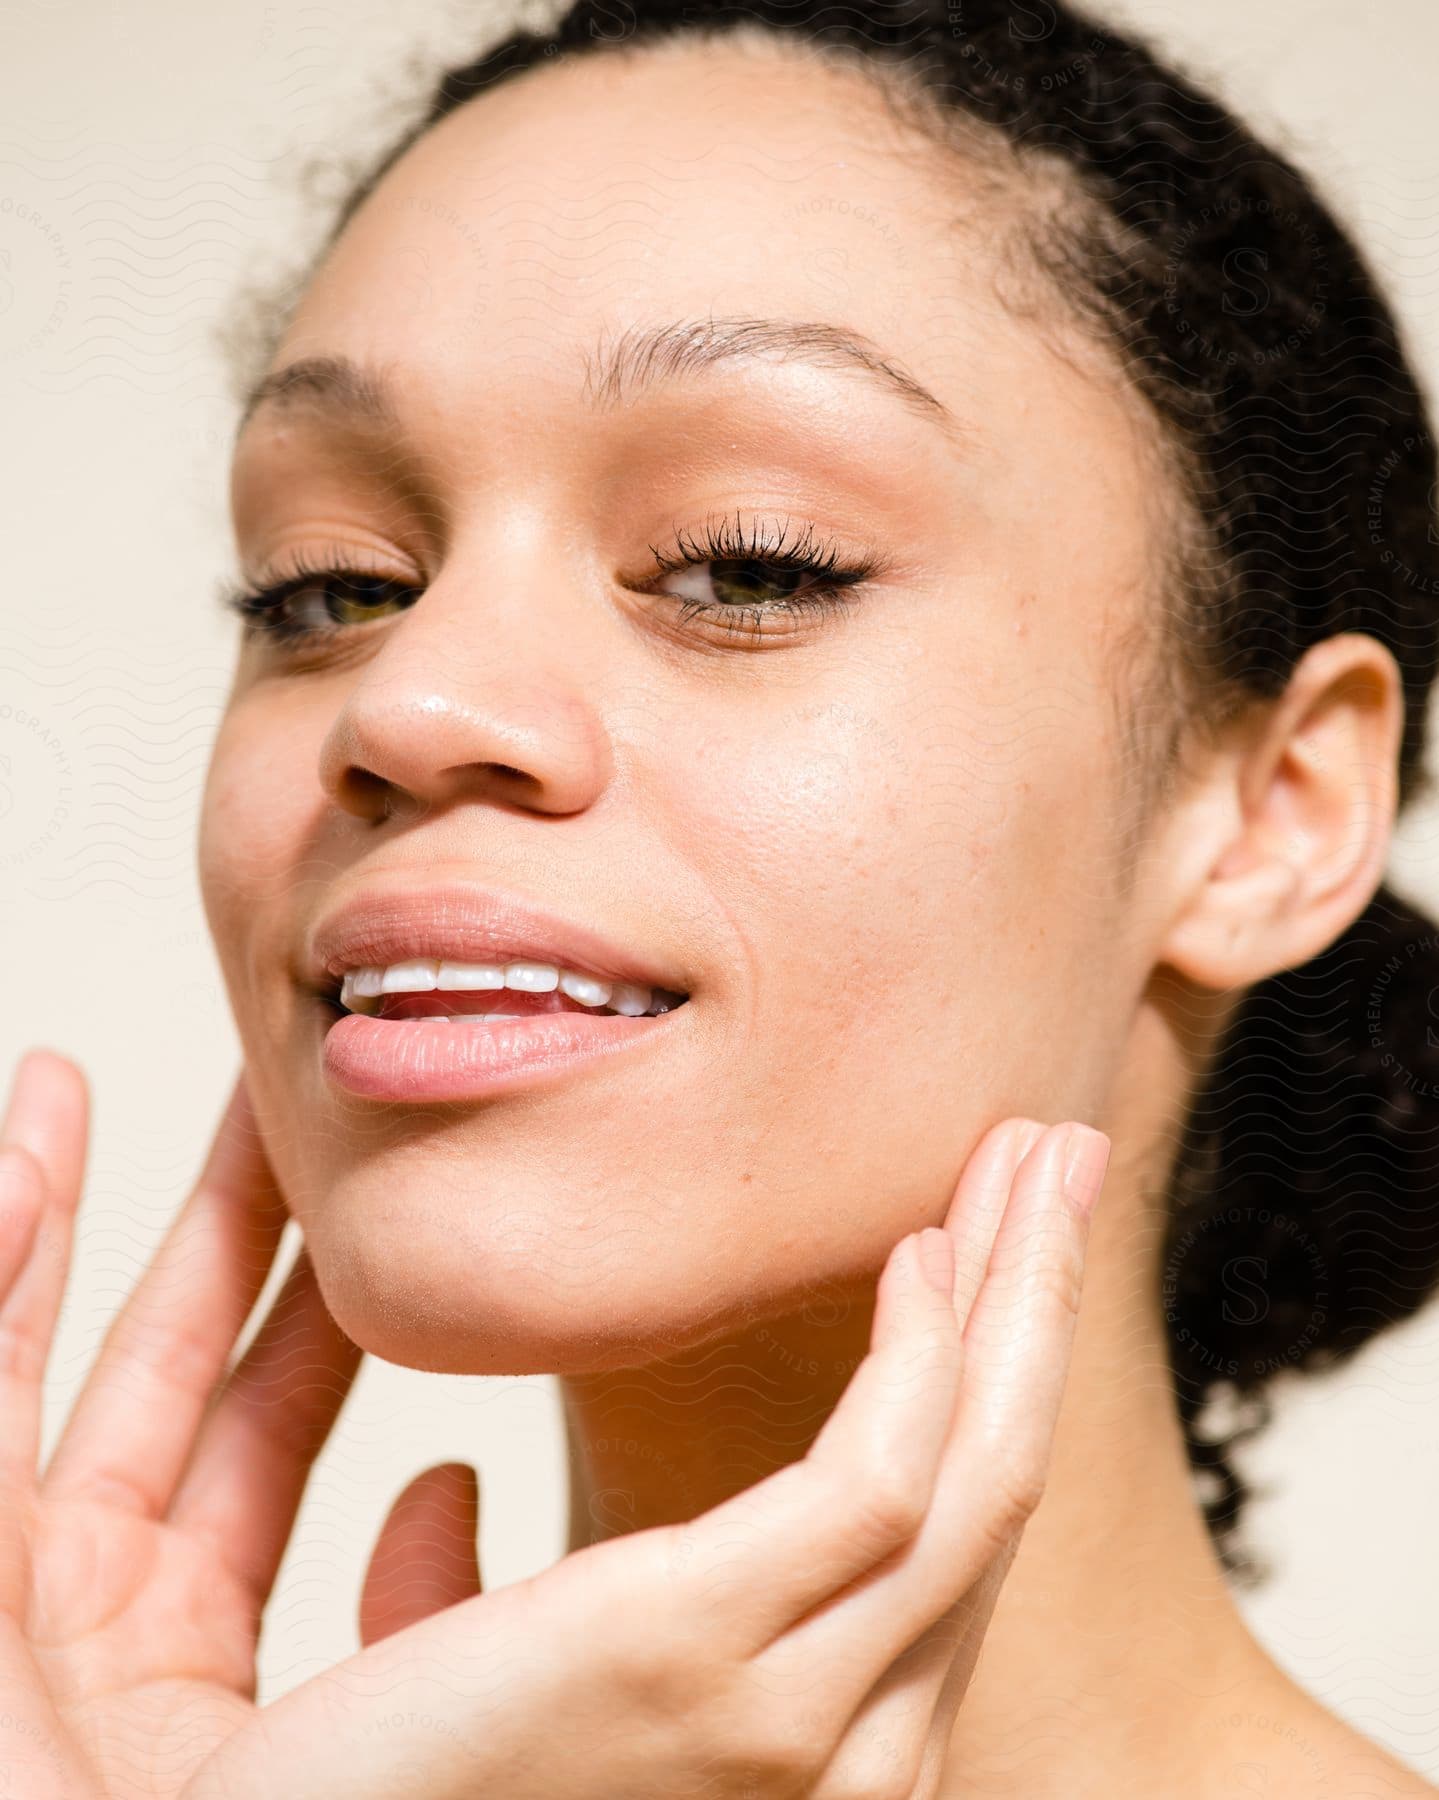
[(1301, 1219)]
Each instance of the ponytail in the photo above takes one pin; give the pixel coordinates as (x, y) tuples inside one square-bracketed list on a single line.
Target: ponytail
[(1303, 1214)]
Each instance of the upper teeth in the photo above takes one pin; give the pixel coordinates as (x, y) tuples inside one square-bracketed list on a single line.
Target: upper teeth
[(428, 974)]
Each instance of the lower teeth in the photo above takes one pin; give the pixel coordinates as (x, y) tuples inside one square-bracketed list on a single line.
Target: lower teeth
[(371, 1010)]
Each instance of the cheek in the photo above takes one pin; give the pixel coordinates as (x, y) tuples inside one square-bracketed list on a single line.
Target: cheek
[(858, 871), (860, 856), (261, 795), (896, 879), (259, 818), (796, 827)]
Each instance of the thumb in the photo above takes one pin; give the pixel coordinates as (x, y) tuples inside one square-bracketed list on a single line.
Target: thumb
[(427, 1555)]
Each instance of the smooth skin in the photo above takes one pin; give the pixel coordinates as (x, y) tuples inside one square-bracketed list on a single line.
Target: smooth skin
[(897, 856), (814, 1635)]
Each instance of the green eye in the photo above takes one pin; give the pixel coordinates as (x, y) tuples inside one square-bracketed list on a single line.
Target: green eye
[(317, 603), (343, 599), (740, 577)]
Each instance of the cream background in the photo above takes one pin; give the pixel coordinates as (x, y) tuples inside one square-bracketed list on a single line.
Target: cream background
[(148, 163)]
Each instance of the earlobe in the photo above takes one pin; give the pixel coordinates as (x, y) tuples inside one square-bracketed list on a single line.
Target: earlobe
[(1232, 935), (1300, 821)]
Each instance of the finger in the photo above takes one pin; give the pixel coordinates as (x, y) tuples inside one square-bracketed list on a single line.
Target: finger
[(892, 1744), (957, 1678), (132, 1428), (426, 1557), (266, 1426), (980, 1200), (1017, 1346), (22, 1359), (898, 1740), (48, 1114), (786, 1545), (22, 1201), (761, 1559), (447, 1708), (1021, 1330)]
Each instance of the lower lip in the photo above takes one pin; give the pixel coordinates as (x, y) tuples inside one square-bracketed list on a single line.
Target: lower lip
[(437, 1059)]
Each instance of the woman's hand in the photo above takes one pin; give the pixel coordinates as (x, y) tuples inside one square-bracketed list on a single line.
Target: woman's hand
[(814, 1636), (134, 1571)]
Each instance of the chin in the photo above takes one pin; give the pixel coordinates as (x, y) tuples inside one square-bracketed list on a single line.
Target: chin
[(515, 1285)]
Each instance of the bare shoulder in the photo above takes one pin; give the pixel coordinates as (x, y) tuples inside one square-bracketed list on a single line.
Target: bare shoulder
[(1352, 1766), (1281, 1742), (1370, 1770)]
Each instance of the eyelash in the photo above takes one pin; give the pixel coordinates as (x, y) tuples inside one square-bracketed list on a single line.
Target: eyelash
[(262, 609)]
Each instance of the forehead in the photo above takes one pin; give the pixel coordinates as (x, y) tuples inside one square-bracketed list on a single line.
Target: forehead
[(589, 199), (624, 177)]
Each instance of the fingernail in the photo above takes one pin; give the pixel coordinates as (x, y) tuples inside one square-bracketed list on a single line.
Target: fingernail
[(936, 1258), (1086, 1157)]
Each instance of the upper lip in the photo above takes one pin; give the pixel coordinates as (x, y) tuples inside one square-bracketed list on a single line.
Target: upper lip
[(461, 922)]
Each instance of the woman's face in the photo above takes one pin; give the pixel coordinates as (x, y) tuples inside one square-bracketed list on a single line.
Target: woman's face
[(877, 843)]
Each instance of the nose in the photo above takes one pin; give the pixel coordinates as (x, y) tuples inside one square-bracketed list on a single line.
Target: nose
[(477, 691)]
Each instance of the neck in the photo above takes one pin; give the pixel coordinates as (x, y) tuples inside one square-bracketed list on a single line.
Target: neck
[(1115, 1637)]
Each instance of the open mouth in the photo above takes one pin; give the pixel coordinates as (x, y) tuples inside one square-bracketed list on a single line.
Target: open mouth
[(468, 1032), (456, 992)]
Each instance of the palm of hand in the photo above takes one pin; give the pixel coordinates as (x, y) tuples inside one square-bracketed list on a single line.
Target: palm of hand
[(144, 1639), (134, 1571)]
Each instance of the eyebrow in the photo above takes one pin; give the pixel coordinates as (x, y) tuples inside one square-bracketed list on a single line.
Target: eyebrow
[(618, 374)]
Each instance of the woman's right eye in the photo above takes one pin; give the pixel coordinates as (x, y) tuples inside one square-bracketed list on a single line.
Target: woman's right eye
[(320, 603)]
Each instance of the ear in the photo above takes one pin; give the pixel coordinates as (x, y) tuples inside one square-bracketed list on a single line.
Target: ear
[(1289, 833)]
